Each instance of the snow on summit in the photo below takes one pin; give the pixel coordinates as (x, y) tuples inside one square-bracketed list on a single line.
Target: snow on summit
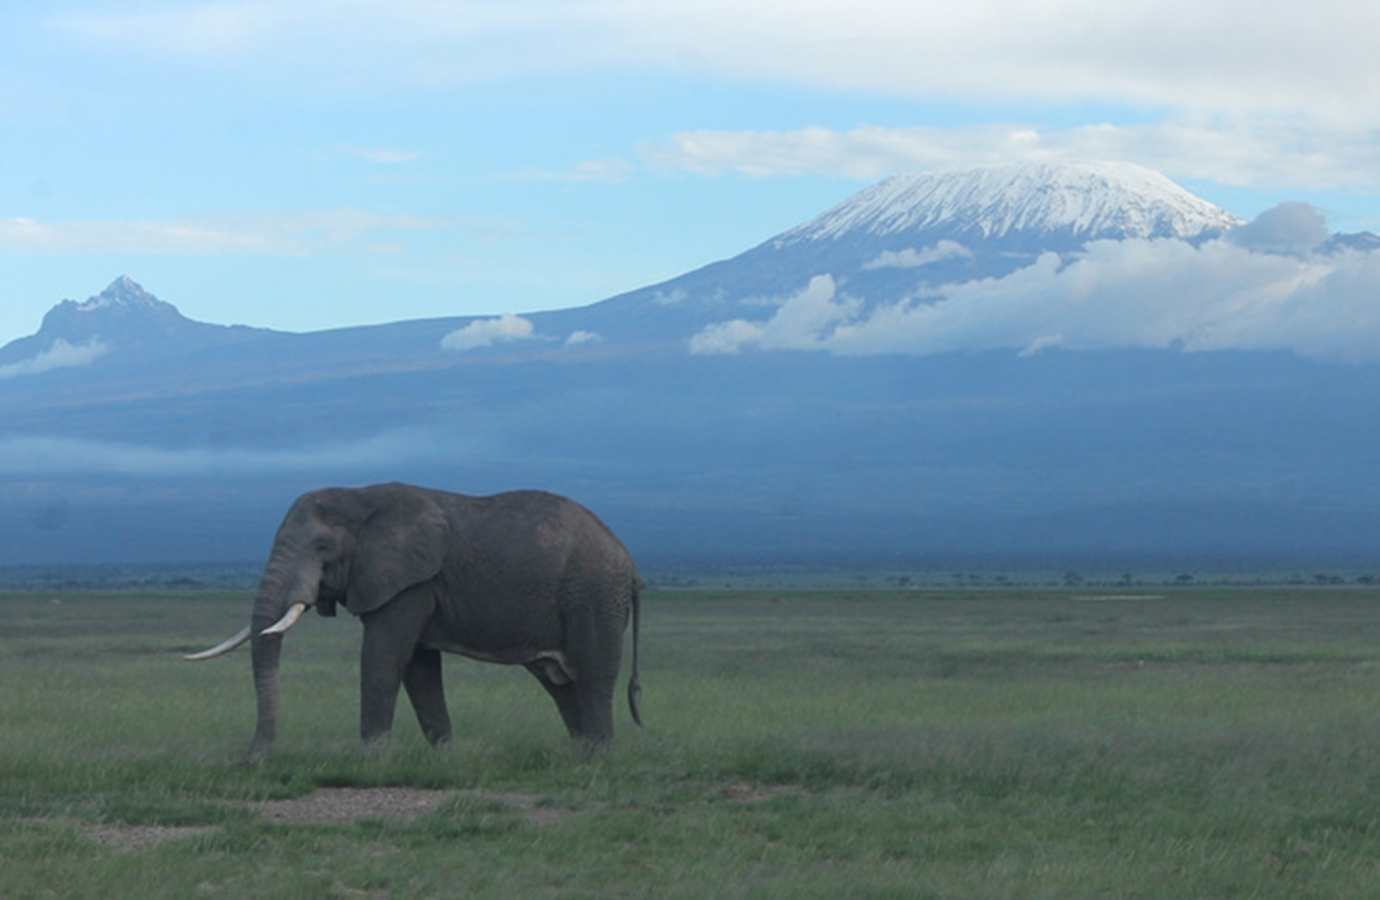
[(1031, 257), (1085, 200), (123, 293)]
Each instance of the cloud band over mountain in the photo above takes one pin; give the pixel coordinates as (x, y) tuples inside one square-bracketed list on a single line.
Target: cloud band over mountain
[(60, 355), (1263, 287)]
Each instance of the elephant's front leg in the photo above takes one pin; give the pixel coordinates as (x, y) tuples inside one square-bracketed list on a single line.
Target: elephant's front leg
[(380, 676), (391, 635), (426, 690)]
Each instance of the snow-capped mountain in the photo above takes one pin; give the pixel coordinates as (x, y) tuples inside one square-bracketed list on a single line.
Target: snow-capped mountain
[(1081, 201), (916, 233), (896, 378)]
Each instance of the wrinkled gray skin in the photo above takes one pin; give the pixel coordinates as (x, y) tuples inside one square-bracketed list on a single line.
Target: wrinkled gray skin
[(524, 578)]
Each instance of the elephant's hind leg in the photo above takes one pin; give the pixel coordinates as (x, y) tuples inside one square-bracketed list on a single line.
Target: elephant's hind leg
[(562, 690), (426, 690), (593, 649), (596, 712)]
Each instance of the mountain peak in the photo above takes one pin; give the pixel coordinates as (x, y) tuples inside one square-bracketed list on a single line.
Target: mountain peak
[(123, 293), (124, 310), (1078, 201)]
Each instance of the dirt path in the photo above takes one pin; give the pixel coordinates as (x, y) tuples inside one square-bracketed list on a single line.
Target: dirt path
[(329, 806)]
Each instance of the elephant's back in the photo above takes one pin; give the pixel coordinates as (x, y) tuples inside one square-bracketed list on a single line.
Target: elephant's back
[(522, 560), (546, 525)]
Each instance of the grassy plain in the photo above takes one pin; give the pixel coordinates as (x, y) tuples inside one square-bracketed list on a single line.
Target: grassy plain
[(1049, 743)]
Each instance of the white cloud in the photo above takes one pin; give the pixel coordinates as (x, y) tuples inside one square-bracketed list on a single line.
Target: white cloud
[(1150, 294), (383, 156), (1234, 152), (195, 31), (354, 43), (582, 337), (61, 355), (485, 332), (808, 316), (671, 298), (1153, 54), (1233, 109), (1287, 228), (727, 338), (910, 258), (805, 320), (273, 233)]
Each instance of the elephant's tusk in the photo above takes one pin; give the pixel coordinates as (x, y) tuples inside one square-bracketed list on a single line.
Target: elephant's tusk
[(288, 620), (223, 647)]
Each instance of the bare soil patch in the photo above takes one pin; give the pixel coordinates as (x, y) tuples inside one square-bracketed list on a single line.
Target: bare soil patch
[(746, 792), (127, 838), (331, 805)]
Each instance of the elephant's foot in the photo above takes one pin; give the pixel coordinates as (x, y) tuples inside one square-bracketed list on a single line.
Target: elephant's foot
[(258, 750), (587, 747), (376, 742)]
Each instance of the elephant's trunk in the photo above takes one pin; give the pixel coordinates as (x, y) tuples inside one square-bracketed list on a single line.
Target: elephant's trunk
[(285, 591), (266, 650)]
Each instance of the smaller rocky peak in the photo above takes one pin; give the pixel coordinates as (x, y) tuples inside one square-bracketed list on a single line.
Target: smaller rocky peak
[(124, 293), (122, 310)]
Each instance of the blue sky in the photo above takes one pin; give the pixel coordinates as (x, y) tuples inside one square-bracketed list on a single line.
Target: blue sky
[(314, 164)]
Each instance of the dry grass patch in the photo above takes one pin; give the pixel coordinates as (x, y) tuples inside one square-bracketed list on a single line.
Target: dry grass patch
[(347, 804), (330, 806), (124, 838)]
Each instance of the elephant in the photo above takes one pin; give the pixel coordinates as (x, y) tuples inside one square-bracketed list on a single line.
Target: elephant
[(523, 578)]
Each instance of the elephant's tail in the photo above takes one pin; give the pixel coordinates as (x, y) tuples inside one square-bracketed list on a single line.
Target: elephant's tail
[(634, 687)]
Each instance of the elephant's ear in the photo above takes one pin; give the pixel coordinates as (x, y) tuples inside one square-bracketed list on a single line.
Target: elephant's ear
[(400, 543)]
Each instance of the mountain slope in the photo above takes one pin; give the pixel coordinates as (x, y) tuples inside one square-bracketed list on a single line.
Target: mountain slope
[(130, 432), (915, 233)]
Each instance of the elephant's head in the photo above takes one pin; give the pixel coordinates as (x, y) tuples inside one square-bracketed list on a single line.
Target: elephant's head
[(361, 547)]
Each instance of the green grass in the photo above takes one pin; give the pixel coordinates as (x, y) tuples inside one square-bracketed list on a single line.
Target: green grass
[(1001, 744)]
